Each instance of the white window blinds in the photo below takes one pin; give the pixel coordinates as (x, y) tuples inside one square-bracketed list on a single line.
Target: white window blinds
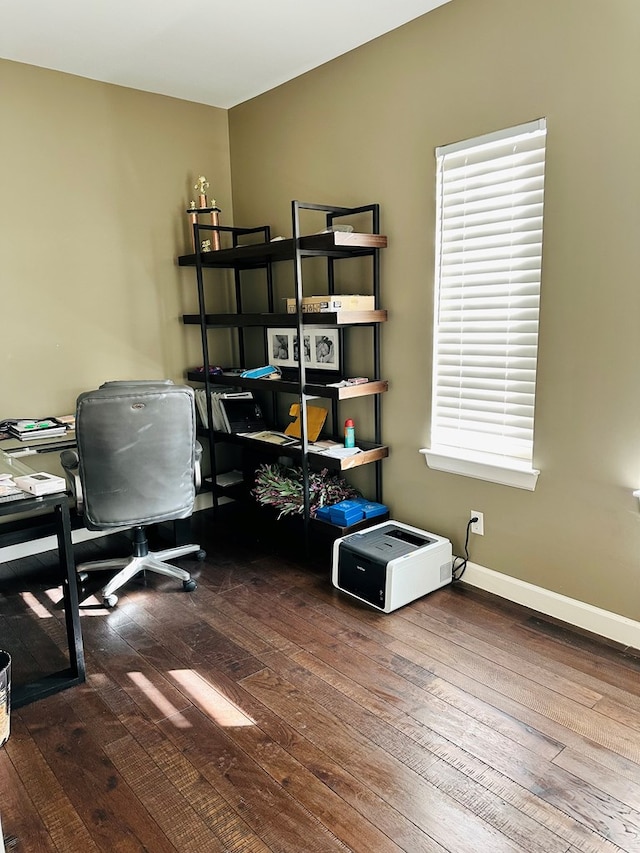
[(488, 265)]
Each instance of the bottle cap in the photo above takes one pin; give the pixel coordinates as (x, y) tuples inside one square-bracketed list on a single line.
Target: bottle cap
[(348, 423)]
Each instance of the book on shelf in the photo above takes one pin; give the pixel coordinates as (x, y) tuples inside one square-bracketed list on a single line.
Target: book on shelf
[(218, 422), (341, 452), (272, 437), (322, 445)]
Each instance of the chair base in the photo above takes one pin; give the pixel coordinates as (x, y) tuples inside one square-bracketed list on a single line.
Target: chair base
[(153, 561)]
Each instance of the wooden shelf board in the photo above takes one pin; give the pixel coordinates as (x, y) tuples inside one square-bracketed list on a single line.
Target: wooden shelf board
[(312, 388), (370, 452), (333, 244), (324, 318), (349, 392)]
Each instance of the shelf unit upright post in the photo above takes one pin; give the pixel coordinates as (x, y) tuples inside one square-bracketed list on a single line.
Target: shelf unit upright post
[(374, 211), (332, 212), (236, 233)]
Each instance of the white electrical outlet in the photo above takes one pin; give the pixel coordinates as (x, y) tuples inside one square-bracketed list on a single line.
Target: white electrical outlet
[(477, 526)]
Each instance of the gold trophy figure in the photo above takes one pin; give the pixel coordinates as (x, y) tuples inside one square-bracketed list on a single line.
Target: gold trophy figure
[(202, 186)]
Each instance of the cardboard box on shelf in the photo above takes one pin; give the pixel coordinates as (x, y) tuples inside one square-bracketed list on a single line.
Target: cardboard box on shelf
[(336, 302)]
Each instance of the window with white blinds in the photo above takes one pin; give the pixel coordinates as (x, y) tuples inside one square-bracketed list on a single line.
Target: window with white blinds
[(488, 266)]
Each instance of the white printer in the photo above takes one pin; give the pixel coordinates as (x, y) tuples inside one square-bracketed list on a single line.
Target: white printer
[(391, 564)]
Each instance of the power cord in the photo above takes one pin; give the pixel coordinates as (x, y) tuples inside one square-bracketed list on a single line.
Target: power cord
[(458, 568)]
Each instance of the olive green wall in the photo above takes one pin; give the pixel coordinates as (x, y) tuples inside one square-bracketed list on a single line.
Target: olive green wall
[(95, 183), (363, 128)]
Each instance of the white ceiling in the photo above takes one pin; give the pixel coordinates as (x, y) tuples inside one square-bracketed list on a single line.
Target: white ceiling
[(209, 51)]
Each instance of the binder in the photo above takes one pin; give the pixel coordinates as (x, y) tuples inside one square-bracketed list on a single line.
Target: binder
[(217, 416), (240, 414)]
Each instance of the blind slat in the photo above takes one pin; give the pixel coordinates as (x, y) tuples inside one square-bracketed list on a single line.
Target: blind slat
[(489, 237)]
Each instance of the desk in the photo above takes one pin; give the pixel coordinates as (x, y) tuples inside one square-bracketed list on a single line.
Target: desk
[(29, 449), (58, 504)]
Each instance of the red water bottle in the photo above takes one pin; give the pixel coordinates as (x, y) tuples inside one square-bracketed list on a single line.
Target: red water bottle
[(349, 433)]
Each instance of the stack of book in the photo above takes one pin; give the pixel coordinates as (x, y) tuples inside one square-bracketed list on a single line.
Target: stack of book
[(37, 430)]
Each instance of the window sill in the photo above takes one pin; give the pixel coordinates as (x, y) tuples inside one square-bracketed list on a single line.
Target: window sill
[(482, 467)]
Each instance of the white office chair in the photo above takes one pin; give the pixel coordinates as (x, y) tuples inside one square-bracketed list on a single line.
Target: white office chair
[(137, 463)]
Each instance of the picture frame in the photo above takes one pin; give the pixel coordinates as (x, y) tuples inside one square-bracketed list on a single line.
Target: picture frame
[(280, 347), (322, 348)]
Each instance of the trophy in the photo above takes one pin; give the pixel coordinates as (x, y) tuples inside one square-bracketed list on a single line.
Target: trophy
[(202, 186), (204, 206)]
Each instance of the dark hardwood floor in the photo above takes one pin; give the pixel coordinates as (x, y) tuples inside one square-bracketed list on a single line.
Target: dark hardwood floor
[(268, 712)]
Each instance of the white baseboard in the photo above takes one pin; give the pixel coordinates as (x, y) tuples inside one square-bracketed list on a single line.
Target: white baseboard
[(586, 616), (48, 543)]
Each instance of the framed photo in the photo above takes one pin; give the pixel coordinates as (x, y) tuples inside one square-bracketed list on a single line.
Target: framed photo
[(324, 349), (280, 347), (321, 348)]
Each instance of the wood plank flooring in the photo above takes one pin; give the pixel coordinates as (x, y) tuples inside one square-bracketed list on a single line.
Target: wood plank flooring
[(268, 713)]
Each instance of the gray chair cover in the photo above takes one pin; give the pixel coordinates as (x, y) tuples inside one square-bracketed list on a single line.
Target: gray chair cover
[(137, 463), (136, 445)]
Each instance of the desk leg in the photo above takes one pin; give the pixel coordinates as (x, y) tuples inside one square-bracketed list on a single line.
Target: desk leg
[(51, 683), (70, 591)]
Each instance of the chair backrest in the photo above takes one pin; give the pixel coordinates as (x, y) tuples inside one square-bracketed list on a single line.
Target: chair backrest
[(136, 448)]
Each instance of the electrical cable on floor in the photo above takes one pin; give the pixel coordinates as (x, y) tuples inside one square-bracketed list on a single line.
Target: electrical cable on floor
[(458, 568)]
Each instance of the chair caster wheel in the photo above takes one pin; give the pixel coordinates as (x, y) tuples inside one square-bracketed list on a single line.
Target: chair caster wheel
[(189, 585), (201, 555), (110, 600)]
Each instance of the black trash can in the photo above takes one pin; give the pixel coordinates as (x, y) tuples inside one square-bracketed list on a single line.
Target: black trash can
[(5, 696)]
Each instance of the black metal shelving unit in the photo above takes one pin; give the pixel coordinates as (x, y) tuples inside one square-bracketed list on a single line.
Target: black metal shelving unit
[(335, 246)]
